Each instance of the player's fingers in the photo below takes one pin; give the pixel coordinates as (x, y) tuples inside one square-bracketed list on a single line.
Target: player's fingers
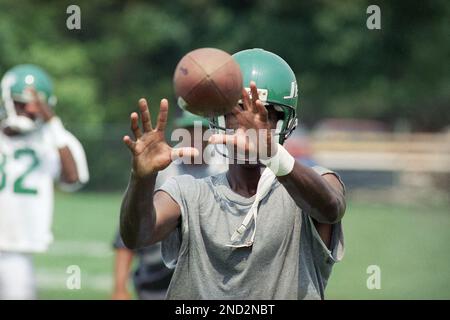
[(33, 93), (255, 96), (242, 120), (236, 110), (246, 103), (163, 114), (184, 152), (129, 143), (145, 115), (36, 102), (262, 111), (217, 139), (223, 139), (134, 121)]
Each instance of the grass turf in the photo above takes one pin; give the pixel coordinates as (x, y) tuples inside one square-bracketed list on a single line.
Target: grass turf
[(408, 243)]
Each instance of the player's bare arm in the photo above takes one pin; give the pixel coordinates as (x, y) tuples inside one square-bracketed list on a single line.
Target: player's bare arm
[(69, 172), (146, 219), (323, 196), (122, 265)]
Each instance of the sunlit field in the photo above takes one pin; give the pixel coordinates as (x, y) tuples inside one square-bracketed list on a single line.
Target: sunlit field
[(408, 243)]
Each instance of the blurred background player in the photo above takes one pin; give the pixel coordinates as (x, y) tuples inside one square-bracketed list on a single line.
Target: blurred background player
[(151, 277), (35, 149)]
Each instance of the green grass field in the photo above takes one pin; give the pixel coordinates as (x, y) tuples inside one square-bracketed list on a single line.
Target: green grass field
[(408, 243)]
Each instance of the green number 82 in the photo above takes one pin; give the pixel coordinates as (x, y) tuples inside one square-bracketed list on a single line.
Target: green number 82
[(19, 183)]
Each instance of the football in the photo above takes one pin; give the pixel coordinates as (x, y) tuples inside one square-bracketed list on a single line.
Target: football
[(207, 82)]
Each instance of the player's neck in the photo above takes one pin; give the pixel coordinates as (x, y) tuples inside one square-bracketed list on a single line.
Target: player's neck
[(244, 179)]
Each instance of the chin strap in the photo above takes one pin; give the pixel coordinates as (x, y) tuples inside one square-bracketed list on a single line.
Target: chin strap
[(20, 124), (264, 186), (280, 164)]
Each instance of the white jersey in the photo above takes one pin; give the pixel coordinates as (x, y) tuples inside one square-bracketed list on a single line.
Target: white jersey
[(28, 166)]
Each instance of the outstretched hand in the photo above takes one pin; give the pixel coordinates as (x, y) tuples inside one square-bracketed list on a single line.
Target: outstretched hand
[(39, 107), (254, 135), (150, 151)]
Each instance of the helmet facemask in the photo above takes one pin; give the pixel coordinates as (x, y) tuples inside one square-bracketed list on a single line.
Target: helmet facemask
[(285, 125)]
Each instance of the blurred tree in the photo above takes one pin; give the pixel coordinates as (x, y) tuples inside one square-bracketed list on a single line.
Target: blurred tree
[(129, 49)]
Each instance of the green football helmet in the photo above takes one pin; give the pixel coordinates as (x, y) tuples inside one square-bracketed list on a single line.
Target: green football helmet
[(277, 87), (13, 88)]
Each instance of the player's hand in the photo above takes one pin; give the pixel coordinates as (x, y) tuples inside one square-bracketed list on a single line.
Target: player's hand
[(39, 107), (254, 135), (150, 151)]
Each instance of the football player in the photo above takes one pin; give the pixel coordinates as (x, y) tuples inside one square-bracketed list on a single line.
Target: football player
[(151, 277), (265, 229), (35, 150)]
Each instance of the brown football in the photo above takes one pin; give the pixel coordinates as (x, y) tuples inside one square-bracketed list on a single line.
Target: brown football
[(207, 82)]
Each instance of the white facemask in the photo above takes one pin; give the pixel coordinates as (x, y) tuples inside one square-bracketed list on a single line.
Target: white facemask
[(13, 121), (20, 124)]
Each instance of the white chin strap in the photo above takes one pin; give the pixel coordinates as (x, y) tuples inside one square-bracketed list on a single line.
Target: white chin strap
[(264, 186), (20, 124)]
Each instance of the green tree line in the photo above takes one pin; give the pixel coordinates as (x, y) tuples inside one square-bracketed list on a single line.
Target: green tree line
[(129, 49)]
